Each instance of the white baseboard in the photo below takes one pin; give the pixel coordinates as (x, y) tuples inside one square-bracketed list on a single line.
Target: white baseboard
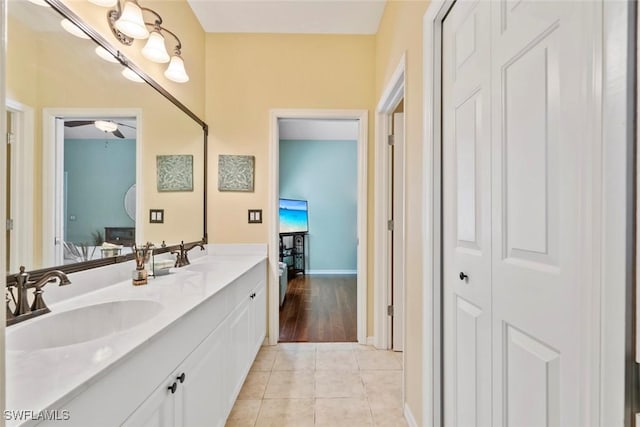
[(331, 272), (408, 415), (371, 341)]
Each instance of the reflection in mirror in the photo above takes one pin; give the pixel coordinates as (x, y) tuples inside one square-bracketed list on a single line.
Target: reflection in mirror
[(93, 215), (72, 174)]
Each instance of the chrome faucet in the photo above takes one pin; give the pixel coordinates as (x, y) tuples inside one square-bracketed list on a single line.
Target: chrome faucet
[(23, 311), (181, 256)]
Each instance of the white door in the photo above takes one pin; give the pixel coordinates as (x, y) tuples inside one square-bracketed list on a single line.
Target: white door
[(398, 231), (467, 215), (158, 410), (516, 188)]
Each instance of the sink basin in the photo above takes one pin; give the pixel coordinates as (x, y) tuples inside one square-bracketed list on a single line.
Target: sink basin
[(80, 325)]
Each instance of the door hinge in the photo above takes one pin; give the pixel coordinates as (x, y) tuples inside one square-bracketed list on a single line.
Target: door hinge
[(390, 310), (9, 224), (10, 137), (390, 225), (390, 140)]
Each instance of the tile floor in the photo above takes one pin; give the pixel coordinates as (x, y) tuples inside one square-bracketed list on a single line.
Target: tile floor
[(324, 384)]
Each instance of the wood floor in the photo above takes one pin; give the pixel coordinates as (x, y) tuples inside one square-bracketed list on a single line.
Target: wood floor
[(319, 309)]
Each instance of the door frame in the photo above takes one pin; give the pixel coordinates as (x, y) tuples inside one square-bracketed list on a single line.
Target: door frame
[(22, 185), (393, 93), (614, 88), (52, 173), (273, 226)]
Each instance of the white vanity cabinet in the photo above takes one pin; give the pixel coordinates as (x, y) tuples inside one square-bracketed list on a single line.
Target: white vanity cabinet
[(213, 345), (194, 394)]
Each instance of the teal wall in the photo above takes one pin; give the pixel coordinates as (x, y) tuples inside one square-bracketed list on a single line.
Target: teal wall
[(325, 174), (98, 175)]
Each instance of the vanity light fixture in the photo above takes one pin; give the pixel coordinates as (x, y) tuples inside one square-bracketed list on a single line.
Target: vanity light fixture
[(131, 75), (175, 71), (131, 22), (104, 54), (127, 23), (155, 50), (71, 28)]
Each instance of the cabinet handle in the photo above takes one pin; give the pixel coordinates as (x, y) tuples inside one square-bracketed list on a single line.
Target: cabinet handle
[(173, 387), (181, 378), (463, 276)]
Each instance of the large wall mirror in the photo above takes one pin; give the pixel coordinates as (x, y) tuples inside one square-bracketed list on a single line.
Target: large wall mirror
[(92, 153)]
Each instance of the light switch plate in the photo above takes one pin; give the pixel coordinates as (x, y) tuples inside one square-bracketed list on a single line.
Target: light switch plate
[(255, 216), (156, 216)]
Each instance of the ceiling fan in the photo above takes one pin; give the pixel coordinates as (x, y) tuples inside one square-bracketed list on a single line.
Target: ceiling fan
[(103, 125)]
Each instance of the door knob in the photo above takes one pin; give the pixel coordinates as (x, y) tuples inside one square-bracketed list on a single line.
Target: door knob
[(181, 378), (463, 276), (173, 387)]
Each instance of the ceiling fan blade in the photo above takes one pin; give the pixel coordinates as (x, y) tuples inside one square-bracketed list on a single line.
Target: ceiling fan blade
[(76, 123), (118, 133), (124, 124)]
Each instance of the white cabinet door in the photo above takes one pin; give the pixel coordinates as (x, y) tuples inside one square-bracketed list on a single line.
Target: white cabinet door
[(202, 396), (258, 318), (239, 333), (467, 215), (159, 410)]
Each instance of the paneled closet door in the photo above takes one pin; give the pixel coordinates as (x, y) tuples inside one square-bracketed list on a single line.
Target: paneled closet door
[(467, 215), (541, 173)]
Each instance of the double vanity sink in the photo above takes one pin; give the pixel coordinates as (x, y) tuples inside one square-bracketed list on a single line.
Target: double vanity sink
[(80, 325), (134, 337)]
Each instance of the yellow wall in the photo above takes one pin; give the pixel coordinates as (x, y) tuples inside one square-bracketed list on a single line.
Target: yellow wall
[(250, 74), (400, 32)]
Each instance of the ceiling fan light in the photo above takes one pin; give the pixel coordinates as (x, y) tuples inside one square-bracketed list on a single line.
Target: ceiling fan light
[(131, 22), (175, 71), (104, 3), (104, 54), (73, 29), (155, 49), (105, 125), (131, 75)]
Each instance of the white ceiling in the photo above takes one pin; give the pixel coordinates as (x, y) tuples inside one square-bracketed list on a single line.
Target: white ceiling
[(322, 130), (289, 16)]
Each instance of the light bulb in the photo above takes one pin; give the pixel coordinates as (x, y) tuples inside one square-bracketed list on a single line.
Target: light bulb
[(104, 54), (131, 75), (155, 49), (72, 28), (175, 71), (131, 22)]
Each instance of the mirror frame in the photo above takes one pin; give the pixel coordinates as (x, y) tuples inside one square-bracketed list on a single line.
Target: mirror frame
[(65, 12)]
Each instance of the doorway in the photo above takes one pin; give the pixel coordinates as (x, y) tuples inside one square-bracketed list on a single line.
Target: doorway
[(318, 229), (389, 268), (20, 193), (274, 221), (77, 233)]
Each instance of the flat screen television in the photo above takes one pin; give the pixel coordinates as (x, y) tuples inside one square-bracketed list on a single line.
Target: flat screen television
[(294, 216)]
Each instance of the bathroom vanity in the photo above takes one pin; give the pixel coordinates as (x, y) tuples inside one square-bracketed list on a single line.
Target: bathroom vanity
[(173, 352)]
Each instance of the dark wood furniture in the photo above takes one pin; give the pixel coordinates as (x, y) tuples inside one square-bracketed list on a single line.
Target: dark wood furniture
[(120, 235), (292, 252)]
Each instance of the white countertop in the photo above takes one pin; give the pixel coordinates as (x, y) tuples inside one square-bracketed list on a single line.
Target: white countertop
[(44, 379)]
